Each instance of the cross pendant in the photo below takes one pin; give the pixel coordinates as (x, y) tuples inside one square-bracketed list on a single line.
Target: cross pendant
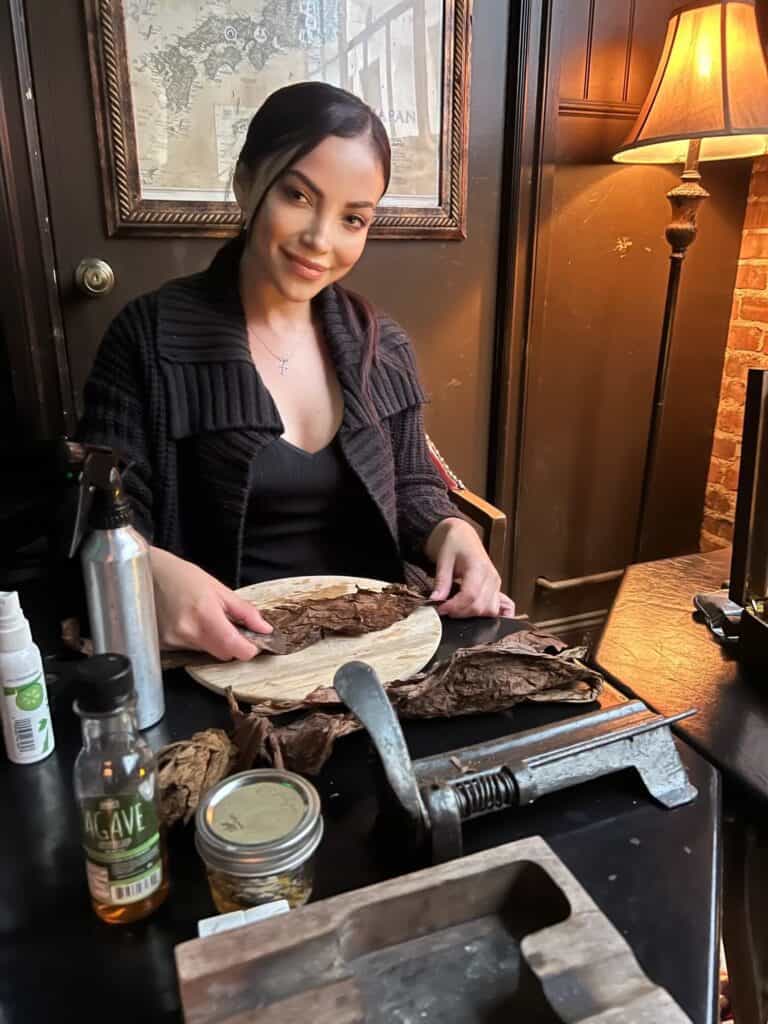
[(283, 367)]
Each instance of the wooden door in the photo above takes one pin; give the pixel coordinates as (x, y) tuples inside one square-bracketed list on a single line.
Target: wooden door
[(443, 292)]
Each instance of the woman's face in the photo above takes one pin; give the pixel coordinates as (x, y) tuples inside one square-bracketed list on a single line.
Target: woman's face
[(312, 226)]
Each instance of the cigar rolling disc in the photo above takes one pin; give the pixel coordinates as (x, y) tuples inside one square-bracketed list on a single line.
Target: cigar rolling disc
[(395, 653)]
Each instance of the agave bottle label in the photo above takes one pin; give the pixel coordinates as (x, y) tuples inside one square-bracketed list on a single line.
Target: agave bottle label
[(122, 846)]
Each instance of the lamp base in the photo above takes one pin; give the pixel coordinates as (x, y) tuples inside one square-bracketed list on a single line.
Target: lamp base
[(685, 200)]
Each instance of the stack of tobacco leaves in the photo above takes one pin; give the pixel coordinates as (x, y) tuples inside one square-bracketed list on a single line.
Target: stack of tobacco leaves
[(474, 680)]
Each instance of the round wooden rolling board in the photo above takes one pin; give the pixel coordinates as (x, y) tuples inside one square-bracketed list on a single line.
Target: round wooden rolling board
[(395, 653)]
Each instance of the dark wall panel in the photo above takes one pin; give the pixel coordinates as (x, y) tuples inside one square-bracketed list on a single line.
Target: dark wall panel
[(650, 26), (609, 49), (574, 51), (600, 279)]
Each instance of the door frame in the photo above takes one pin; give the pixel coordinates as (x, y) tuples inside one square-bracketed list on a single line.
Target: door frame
[(30, 308), (528, 174)]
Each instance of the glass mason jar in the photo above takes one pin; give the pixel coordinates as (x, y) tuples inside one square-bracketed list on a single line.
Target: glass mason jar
[(257, 833)]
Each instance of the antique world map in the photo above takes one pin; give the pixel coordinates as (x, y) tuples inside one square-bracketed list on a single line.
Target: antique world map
[(199, 69)]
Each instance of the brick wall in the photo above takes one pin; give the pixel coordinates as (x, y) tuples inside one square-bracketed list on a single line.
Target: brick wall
[(747, 346)]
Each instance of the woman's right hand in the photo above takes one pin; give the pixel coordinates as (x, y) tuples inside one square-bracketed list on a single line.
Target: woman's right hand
[(196, 612)]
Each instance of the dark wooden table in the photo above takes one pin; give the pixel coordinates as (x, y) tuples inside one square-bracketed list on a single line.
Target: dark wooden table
[(654, 872), (655, 648)]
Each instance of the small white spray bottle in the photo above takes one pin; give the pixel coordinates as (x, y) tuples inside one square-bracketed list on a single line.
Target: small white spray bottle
[(24, 710)]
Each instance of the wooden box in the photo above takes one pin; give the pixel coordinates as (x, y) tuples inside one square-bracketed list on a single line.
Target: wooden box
[(504, 935)]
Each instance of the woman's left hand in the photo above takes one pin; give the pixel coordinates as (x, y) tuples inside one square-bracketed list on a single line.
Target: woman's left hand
[(460, 557)]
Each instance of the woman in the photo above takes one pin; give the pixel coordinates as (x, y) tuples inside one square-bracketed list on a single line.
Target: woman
[(273, 421)]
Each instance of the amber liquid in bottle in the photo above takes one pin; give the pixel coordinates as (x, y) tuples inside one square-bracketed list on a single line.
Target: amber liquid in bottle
[(116, 787), (127, 913)]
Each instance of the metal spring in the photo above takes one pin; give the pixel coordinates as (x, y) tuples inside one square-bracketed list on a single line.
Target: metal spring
[(481, 794)]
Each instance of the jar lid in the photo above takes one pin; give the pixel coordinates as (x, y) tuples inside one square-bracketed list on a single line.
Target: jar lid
[(259, 822)]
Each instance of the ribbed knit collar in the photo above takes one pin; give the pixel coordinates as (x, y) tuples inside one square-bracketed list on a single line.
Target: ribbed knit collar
[(201, 325)]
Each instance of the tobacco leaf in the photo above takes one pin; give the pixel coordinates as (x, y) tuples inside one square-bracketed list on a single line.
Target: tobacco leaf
[(300, 624), (474, 680), (187, 769), (302, 746), (306, 745), (494, 677), (321, 697), (569, 681)]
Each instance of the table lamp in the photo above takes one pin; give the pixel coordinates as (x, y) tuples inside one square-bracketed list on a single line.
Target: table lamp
[(708, 101)]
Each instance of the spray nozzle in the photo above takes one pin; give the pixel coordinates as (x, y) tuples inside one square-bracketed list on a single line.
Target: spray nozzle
[(101, 501)]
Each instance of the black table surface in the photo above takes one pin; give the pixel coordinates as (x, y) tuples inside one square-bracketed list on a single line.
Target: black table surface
[(654, 647), (654, 872)]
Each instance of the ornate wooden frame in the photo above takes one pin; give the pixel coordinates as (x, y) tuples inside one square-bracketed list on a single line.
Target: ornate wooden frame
[(127, 213)]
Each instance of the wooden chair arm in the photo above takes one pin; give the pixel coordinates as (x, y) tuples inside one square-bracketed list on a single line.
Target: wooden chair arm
[(491, 522)]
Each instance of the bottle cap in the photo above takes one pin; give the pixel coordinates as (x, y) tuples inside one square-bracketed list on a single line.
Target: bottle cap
[(15, 634), (110, 508), (102, 683)]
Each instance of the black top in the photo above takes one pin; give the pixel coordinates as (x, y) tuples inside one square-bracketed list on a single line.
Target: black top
[(309, 514)]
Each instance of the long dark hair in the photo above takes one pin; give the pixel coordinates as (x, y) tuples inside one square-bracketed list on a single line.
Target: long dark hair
[(289, 124)]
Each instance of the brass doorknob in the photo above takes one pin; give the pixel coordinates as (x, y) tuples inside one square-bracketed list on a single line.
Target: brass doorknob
[(94, 277)]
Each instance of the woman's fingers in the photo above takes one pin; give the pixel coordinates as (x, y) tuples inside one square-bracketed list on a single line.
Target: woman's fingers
[(220, 638), (477, 596), (443, 576), (506, 607), (245, 613), (208, 628)]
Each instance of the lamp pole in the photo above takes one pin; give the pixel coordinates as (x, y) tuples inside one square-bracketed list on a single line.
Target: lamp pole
[(685, 199)]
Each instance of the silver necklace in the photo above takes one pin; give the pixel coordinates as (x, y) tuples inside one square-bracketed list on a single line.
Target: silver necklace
[(282, 360)]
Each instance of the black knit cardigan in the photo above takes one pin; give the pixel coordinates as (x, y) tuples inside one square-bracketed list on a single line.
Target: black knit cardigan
[(174, 388)]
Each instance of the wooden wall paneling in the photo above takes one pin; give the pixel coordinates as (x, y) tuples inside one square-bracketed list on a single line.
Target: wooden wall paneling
[(576, 27), (650, 27), (610, 50), (598, 290)]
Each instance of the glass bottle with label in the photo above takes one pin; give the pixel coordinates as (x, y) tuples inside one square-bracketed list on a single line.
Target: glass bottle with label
[(117, 790)]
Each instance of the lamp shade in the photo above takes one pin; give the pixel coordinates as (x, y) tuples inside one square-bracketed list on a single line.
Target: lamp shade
[(711, 84)]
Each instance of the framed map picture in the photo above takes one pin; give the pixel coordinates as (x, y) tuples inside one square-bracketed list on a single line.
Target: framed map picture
[(176, 83)]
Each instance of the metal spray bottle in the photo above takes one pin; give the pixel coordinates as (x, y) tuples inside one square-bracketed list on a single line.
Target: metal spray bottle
[(118, 585)]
